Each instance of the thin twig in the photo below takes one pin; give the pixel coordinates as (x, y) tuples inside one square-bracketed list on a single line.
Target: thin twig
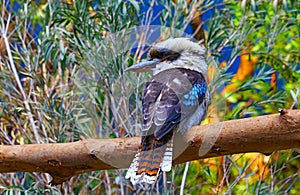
[(164, 181), (121, 181), (4, 31), (108, 188), (184, 178)]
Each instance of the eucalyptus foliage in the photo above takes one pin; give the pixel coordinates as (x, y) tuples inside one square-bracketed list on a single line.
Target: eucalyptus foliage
[(66, 81)]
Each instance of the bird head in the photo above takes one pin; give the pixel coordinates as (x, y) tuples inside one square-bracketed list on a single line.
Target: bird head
[(173, 53)]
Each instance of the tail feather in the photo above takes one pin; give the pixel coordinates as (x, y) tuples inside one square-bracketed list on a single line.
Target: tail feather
[(154, 155), (166, 164), (131, 173)]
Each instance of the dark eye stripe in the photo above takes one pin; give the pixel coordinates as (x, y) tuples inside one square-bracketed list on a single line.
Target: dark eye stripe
[(164, 54)]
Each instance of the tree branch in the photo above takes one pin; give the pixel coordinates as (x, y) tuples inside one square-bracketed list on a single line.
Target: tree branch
[(263, 134)]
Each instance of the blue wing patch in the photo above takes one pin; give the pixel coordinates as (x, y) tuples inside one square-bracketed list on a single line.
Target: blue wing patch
[(192, 98)]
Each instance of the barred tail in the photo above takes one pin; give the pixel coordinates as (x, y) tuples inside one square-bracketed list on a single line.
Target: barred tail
[(154, 155), (166, 163)]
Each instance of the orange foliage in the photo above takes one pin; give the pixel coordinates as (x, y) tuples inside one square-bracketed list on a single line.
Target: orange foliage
[(273, 81), (259, 166), (197, 25), (246, 68)]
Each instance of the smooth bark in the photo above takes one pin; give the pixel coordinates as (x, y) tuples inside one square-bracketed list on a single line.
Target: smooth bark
[(263, 134)]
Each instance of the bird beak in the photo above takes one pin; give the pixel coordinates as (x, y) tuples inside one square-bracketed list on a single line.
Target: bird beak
[(143, 66)]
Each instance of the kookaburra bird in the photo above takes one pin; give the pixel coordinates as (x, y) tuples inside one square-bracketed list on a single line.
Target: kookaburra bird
[(173, 100)]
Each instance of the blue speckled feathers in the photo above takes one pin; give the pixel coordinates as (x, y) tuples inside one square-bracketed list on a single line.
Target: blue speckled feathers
[(170, 97)]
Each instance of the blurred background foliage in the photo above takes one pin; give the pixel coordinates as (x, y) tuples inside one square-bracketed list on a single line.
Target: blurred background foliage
[(62, 79)]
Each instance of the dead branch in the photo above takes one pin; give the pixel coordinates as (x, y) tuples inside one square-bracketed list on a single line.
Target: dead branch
[(263, 134)]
